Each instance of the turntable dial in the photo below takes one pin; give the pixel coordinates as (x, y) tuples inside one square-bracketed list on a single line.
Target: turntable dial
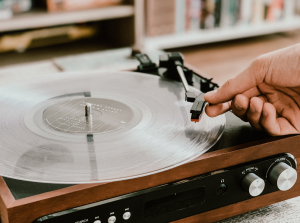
[(283, 176), (253, 184)]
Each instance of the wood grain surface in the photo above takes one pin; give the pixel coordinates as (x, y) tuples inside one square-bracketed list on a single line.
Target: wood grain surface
[(28, 209)]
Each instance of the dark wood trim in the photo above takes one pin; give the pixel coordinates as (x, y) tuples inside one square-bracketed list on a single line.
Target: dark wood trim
[(28, 209), (6, 199)]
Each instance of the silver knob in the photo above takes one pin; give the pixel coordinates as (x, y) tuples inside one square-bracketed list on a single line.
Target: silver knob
[(283, 176), (253, 184), (126, 215), (112, 219)]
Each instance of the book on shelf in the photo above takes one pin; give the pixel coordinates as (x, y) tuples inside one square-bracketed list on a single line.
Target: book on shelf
[(5, 10), (187, 15), (289, 9), (10, 7), (20, 6), (246, 9), (71, 5), (217, 12), (275, 10), (297, 7), (194, 14), (160, 17), (180, 16), (258, 12), (21, 41)]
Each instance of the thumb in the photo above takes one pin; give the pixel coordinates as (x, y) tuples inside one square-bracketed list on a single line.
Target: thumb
[(249, 78)]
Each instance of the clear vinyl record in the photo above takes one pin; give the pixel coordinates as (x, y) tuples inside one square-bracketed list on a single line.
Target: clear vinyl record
[(137, 125)]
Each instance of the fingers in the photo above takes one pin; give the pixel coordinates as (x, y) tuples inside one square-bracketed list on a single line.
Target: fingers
[(252, 92), (275, 126), (231, 88), (218, 109), (240, 106), (246, 80), (254, 112), (258, 112)]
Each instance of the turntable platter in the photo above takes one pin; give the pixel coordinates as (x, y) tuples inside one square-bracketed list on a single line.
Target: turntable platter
[(87, 127)]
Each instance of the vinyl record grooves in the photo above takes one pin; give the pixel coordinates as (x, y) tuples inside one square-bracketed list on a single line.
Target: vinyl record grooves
[(138, 125)]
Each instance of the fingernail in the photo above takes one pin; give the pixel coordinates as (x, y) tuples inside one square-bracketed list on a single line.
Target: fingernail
[(211, 94), (251, 108), (237, 106)]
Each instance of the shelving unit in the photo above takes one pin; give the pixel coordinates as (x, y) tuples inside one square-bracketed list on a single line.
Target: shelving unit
[(219, 34), (203, 36), (32, 20), (136, 10)]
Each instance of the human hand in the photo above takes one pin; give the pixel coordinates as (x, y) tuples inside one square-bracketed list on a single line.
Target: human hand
[(266, 94)]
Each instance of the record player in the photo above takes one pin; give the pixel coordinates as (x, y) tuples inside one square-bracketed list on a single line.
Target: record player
[(231, 170)]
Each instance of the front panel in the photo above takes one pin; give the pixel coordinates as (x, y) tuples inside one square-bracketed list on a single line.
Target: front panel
[(187, 197)]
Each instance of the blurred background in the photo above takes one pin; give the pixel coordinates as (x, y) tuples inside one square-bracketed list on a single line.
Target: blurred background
[(219, 37)]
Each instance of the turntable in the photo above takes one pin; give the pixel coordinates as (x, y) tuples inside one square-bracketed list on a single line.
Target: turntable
[(120, 147)]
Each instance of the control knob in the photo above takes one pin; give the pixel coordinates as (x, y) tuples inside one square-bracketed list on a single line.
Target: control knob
[(253, 184), (283, 176)]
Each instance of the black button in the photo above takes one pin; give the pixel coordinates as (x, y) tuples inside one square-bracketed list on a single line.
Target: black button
[(221, 189)]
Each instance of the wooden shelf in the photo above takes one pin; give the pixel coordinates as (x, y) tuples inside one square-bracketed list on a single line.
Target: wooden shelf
[(34, 20), (219, 34)]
